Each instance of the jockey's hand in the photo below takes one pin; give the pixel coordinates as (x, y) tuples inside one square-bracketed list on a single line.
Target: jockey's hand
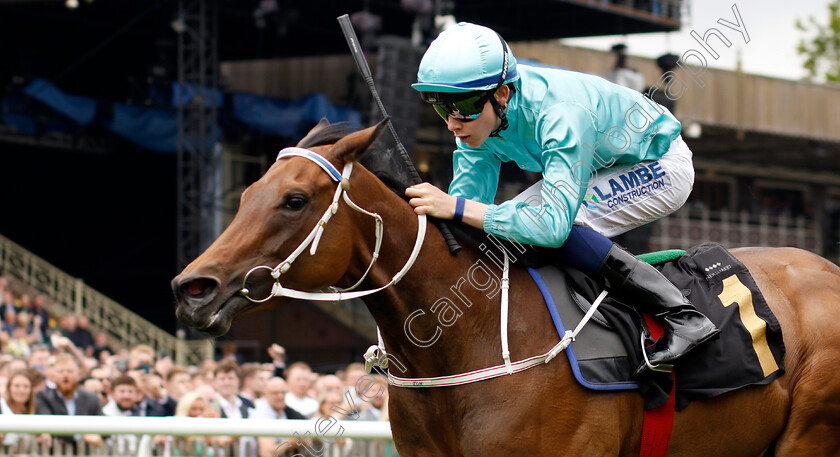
[(428, 199)]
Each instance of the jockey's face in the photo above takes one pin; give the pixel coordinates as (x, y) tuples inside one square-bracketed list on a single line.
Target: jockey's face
[(475, 133)]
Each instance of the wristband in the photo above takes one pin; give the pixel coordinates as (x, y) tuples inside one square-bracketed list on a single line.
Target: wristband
[(459, 209)]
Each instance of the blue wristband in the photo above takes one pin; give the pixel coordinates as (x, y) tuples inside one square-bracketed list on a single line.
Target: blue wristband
[(459, 209)]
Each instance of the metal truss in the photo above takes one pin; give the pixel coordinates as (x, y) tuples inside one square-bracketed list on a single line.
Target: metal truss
[(199, 180)]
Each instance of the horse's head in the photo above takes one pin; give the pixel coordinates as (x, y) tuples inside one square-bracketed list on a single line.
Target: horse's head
[(277, 216)]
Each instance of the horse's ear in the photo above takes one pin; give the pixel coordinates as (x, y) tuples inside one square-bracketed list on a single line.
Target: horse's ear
[(318, 127), (351, 147)]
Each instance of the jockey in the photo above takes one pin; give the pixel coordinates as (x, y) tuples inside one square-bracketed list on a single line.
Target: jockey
[(611, 160)]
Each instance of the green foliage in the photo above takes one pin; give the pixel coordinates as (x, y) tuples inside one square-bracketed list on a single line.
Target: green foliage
[(822, 51)]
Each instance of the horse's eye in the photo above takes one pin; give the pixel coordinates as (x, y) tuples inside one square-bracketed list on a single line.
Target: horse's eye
[(295, 202)]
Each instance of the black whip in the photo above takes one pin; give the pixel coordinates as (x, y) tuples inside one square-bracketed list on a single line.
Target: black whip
[(364, 69)]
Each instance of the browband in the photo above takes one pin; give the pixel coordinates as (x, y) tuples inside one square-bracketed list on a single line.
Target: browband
[(306, 153)]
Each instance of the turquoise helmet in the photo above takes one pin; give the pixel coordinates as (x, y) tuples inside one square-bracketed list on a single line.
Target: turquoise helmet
[(466, 58)]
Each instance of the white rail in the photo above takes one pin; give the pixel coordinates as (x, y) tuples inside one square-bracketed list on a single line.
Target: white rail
[(183, 426)]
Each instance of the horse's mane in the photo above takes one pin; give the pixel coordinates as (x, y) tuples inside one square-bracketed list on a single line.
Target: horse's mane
[(378, 159), (384, 164)]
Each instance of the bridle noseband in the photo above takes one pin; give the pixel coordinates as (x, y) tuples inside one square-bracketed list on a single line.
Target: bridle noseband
[(314, 237)]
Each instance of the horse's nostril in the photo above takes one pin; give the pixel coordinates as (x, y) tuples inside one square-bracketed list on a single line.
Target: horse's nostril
[(198, 287)]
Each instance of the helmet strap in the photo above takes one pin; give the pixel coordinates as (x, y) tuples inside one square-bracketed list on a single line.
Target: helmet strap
[(502, 113), (499, 109)]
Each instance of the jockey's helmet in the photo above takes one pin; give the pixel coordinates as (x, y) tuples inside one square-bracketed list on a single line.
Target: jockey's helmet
[(466, 58)]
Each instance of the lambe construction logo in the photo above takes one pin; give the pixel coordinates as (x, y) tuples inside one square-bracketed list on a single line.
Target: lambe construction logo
[(633, 185), (589, 201)]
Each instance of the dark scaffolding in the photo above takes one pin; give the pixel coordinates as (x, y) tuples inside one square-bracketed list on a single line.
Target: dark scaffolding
[(199, 144)]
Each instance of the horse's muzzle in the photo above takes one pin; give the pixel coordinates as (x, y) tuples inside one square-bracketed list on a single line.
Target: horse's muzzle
[(197, 300)]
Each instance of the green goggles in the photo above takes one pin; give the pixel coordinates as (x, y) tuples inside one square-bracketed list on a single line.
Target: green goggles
[(459, 106)]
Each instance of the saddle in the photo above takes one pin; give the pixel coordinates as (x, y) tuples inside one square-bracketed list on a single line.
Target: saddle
[(750, 350)]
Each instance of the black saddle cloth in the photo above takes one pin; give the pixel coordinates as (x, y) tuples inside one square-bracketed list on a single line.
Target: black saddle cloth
[(749, 351)]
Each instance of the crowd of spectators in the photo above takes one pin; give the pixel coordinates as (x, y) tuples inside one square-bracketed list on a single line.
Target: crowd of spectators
[(55, 365)]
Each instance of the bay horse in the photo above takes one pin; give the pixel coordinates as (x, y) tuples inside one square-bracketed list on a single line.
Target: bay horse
[(540, 412)]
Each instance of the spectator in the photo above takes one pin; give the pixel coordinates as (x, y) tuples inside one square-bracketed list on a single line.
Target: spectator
[(9, 320), (18, 345), (278, 359), (253, 381), (81, 336), (38, 380), (100, 346), (299, 382), (332, 404), (230, 352), (206, 374), (622, 74), (313, 378), (3, 382), (5, 339), (227, 391), (25, 303), (39, 356), (377, 408), (123, 397), (234, 406), (19, 398), (329, 383), (16, 365), (49, 373), (141, 358), (146, 405), (4, 286), (178, 383), (152, 386), (38, 310), (353, 373), (103, 373), (63, 345), (95, 385), (212, 408), (163, 365), (67, 399), (32, 324), (193, 404), (123, 401), (275, 408), (8, 302), (67, 325)]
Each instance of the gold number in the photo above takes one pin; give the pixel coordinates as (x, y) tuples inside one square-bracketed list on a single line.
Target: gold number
[(736, 293)]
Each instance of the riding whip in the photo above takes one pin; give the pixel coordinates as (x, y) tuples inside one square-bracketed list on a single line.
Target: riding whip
[(364, 69)]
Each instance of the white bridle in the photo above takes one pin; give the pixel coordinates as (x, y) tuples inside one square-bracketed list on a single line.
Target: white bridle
[(314, 238)]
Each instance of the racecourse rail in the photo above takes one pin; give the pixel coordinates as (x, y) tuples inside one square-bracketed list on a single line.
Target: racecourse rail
[(183, 426)]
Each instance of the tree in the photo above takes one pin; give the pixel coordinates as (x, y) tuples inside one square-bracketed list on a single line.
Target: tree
[(822, 51)]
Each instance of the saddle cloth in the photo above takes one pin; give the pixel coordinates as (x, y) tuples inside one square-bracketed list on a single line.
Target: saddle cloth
[(749, 351)]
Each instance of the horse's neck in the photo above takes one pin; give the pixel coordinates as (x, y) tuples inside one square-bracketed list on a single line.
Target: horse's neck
[(445, 312)]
